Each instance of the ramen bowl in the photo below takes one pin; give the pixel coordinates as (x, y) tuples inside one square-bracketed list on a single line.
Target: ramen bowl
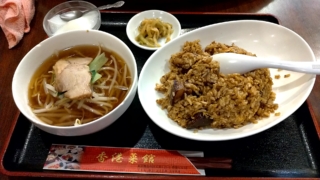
[(38, 54), (264, 39)]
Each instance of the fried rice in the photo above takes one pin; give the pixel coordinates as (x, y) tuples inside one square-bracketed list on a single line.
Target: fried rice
[(197, 96)]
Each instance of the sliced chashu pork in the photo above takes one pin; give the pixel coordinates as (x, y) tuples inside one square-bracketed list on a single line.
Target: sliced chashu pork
[(73, 77)]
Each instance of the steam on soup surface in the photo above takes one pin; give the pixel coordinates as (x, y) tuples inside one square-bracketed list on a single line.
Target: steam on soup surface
[(77, 85)]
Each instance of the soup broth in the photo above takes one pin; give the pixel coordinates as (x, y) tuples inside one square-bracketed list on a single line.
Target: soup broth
[(108, 92)]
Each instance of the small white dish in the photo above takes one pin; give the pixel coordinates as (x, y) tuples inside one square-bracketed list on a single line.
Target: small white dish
[(134, 22), (266, 40), (53, 24)]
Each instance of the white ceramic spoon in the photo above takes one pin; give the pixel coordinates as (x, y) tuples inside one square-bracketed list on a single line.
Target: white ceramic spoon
[(71, 15), (238, 63)]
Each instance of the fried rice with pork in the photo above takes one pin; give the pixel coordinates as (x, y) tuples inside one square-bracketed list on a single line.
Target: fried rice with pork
[(197, 96)]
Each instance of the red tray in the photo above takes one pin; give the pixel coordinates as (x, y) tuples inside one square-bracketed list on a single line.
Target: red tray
[(269, 154)]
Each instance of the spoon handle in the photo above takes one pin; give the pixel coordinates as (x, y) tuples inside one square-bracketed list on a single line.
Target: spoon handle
[(239, 63), (108, 6), (304, 67)]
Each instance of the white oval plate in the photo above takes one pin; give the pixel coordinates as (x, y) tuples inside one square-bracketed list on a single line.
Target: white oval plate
[(262, 38), (134, 22)]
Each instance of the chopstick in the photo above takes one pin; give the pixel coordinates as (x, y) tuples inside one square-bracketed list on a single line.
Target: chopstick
[(211, 162)]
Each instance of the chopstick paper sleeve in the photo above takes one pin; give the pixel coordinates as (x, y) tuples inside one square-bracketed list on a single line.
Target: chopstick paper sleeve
[(119, 160)]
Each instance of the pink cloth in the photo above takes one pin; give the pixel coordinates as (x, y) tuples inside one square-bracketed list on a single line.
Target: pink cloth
[(15, 18)]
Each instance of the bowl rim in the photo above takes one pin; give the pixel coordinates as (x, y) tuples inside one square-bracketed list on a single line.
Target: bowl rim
[(197, 138), (146, 12), (133, 87)]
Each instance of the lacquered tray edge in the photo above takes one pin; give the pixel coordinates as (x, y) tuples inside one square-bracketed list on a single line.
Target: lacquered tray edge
[(314, 118), (55, 174)]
